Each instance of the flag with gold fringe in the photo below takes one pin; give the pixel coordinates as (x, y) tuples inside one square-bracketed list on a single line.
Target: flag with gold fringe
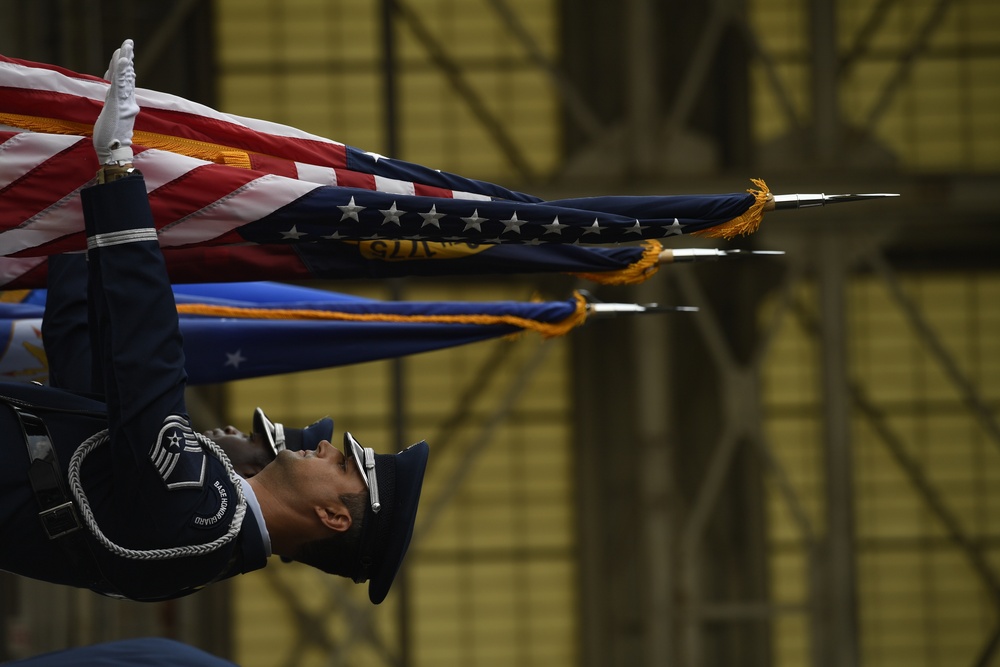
[(243, 330), (217, 181), (620, 265)]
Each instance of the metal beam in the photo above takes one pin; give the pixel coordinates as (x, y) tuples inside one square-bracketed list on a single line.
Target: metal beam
[(505, 406), (931, 23), (742, 611), (577, 107), (312, 626), (642, 100), (167, 32), (876, 17), (783, 305), (838, 542), (452, 72), (914, 472), (774, 80), (740, 420), (697, 70), (925, 490), (823, 63), (657, 492), (966, 389)]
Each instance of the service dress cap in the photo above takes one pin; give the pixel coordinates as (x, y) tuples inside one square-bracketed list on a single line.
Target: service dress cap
[(394, 482)]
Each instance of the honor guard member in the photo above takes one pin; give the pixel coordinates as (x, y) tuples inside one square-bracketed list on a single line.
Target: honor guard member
[(119, 494)]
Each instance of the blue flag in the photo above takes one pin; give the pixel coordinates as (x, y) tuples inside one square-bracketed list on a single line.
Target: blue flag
[(243, 330)]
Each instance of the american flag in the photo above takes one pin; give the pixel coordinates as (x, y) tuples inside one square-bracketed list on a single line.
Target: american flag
[(222, 184), (622, 265)]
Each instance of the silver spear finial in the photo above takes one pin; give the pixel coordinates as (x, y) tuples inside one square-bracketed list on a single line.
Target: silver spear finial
[(780, 202)]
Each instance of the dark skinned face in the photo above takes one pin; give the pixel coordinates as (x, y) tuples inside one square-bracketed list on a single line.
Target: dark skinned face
[(248, 452)]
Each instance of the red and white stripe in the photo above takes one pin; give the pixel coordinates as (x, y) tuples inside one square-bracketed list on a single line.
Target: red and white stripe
[(194, 202)]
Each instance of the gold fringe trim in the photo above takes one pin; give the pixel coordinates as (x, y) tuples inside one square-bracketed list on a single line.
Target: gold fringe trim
[(14, 296), (746, 223), (46, 125), (235, 158), (201, 150), (546, 329), (634, 273)]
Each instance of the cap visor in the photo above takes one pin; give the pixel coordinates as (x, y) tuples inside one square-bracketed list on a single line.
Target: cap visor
[(264, 426)]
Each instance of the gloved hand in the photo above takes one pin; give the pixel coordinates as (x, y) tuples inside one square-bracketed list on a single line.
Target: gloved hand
[(113, 129)]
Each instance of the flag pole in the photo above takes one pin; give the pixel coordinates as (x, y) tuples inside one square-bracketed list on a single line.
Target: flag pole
[(783, 202), (613, 309), (679, 255), (598, 308)]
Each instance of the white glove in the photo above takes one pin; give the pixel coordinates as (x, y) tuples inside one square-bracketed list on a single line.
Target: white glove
[(113, 129)]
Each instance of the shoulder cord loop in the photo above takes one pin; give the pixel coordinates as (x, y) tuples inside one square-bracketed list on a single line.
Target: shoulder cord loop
[(83, 504)]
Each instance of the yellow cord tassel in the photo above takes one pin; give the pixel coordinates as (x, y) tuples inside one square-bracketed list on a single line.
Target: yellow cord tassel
[(201, 150), (546, 329), (746, 223), (45, 125), (634, 273), (14, 296)]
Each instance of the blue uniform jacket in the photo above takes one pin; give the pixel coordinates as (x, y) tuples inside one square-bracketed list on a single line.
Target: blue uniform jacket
[(165, 505)]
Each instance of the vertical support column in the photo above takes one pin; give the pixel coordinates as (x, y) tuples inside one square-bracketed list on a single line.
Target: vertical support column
[(656, 485), (401, 586), (642, 132), (841, 645), (824, 80), (391, 147), (390, 103)]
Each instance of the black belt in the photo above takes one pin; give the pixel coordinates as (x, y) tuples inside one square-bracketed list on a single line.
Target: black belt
[(55, 504), (56, 510)]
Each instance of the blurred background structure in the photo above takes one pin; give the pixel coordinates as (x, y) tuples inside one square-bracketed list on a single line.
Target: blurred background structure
[(806, 472)]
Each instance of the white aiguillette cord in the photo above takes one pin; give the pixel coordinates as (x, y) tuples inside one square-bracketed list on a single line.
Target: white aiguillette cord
[(153, 554)]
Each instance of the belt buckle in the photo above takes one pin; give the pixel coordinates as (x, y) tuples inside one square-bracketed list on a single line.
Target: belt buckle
[(60, 520)]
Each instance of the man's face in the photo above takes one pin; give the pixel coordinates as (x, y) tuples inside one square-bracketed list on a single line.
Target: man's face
[(324, 471), (249, 453), (318, 477)]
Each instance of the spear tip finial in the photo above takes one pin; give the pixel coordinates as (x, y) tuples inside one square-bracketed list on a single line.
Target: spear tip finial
[(799, 200)]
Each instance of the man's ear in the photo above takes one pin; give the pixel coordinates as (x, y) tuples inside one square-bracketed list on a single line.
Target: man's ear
[(335, 518)]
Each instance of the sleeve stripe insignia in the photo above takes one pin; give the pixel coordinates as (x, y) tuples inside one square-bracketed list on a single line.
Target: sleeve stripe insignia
[(177, 455)]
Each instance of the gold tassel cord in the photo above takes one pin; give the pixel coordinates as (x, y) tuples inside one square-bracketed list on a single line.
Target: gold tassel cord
[(748, 222), (14, 296), (201, 150), (546, 329), (46, 125), (636, 272)]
